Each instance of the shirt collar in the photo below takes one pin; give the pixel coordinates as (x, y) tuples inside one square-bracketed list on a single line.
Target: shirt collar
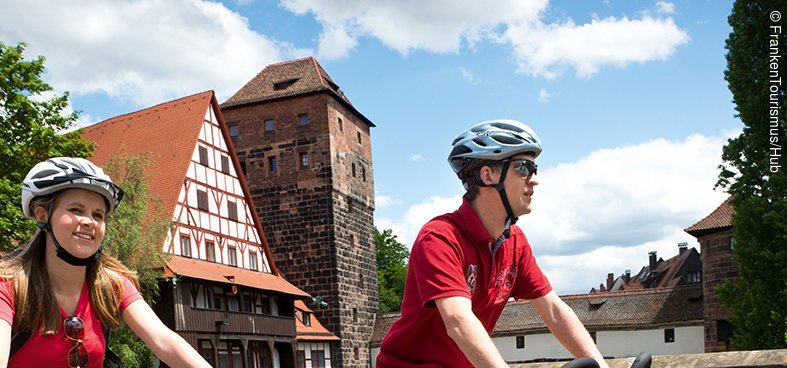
[(473, 224)]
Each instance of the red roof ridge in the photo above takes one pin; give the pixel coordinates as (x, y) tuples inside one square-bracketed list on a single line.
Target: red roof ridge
[(285, 62)]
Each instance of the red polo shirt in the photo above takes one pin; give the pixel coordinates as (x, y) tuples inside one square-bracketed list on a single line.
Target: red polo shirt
[(452, 257), (52, 350)]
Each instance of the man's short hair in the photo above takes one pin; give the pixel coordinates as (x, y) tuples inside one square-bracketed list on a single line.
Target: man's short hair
[(471, 176)]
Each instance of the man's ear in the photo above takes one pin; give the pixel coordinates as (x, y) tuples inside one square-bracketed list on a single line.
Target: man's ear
[(488, 176), (40, 213)]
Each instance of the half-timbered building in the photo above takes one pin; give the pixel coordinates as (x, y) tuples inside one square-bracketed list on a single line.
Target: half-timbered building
[(222, 291)]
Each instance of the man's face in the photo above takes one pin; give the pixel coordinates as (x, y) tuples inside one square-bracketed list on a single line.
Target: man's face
[(519, 185)]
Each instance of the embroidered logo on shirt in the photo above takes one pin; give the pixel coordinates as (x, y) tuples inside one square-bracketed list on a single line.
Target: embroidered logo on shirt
[(505, 280), (472, 277)]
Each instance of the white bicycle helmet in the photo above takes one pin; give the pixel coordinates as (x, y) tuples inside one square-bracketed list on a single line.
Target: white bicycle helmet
[(59, 173), (493, 140)]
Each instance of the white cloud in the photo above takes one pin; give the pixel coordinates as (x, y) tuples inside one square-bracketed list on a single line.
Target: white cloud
[(549, 49), (540, 49), (604, 212), (381, 201), (142, 51), (437, 26), (544, 96), (467, 74), (665, 7), (417, 158)]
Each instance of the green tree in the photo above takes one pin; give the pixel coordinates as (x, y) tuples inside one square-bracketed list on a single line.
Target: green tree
[(135, 233), (754, 174), (31, 127), (391, 270)]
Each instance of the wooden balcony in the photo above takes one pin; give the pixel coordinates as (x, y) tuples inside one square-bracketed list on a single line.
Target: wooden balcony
[(214, 321)]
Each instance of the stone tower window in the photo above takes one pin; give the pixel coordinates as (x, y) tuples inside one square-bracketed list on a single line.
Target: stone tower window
[(359, 137), (353, 169), (269, 125), (303, 119), (341, 126)]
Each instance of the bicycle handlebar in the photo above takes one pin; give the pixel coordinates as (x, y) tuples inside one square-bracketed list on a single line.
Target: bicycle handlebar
[(642, 360)]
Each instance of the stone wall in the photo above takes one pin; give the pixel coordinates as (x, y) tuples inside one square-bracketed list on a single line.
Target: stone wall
[(318, 218), (717, 266), (731, 359)]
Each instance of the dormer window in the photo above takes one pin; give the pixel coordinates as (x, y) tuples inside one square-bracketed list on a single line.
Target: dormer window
[(307, 319), (278, 86)]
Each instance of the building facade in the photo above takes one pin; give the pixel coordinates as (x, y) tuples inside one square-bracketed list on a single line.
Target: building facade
[(306, 152), (222, 291), (714, 233)]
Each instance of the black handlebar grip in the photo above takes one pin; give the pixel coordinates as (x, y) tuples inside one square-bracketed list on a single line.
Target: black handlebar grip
[(643, 360), (583, 363)]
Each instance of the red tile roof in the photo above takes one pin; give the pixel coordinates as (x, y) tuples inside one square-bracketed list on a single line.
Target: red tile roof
[(166, 132), (619, 310), (315, 332), (217, 272), (288, 79), (720, 218)]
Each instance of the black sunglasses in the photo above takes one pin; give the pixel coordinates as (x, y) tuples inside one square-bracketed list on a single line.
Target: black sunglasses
[(75, 330), (524, 166)]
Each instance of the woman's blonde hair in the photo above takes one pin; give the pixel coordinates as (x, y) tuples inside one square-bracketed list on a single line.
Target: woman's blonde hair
[(34, 302)]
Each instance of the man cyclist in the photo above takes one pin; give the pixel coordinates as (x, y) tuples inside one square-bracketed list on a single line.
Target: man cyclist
[(465, 265)]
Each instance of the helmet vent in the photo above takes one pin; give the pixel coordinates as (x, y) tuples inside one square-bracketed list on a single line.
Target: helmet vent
[(479, 142), (504, 126), (505, 139)]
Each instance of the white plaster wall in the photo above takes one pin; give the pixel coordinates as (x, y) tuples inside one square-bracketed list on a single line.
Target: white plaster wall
[(689, 339)]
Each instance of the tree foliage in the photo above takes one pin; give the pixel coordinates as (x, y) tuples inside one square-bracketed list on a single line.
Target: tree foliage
[(391, 270), (31, 126), (754, 174), (135, 232)]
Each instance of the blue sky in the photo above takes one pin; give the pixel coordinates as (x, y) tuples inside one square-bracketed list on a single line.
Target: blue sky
[(629, 97)]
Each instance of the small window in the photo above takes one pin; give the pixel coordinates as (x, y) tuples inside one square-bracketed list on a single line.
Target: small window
[(520, 342), (253, 261), (694, 277), (272, 164), (304, 160), (232, 210), (210, 251), (593, 336), (669, 335), (363, 173), (232, 256), (225, 164), (234, 131), (732, 243), (353, 170), (307, 319), (203, 155), (243, 167), (185, 245), (206, 351), (359, 137), (269, 125), (303, 119), (355, 315), (300, 359), (202, 200), (341, 125)]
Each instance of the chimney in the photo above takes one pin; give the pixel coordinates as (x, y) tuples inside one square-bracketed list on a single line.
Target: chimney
[(601, 288), (610, 281), (652, 261), (628, 276), (682, 246)]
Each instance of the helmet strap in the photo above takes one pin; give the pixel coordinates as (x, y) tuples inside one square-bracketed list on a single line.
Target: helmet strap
[(60, 251), (510, 218)]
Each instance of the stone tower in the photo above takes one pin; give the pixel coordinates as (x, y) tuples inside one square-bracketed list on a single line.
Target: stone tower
[(306, 153), (714, 233)]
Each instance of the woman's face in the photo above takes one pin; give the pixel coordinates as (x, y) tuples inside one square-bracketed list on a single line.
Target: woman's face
[(77, 221)]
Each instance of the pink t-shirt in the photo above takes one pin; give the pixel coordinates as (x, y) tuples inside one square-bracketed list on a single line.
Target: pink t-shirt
[(452, 257), (52, 350)]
